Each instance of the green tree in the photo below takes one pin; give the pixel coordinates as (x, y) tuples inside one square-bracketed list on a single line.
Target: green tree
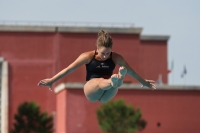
[(29, 119), (117, 117)]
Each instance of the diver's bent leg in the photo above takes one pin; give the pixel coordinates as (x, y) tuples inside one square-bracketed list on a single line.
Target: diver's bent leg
[(95, 87), (92, 90), (108, 95), (106, 84)]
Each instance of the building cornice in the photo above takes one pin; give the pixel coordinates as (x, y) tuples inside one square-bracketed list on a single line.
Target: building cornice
[(154, 38), (11, 28), (69, 29), (78, 29), (116, 30)]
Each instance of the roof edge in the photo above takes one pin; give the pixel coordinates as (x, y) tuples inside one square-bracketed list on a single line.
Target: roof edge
[(154, 37), (12, 28), (71, 29), (130, 30)]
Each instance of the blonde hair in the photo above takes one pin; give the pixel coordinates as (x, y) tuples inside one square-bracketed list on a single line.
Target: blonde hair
[(104, 39)]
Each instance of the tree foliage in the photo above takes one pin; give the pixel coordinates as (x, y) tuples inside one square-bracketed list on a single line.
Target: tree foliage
[(117, 117), (29, 119)]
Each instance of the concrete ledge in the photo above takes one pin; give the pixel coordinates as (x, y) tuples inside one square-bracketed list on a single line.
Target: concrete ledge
[(76, 85), (27, 28), (69, 29), (154, 38), (68, 85), (97, 29)]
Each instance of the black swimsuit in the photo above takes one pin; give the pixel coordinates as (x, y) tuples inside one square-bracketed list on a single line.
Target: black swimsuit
[(100, 69)]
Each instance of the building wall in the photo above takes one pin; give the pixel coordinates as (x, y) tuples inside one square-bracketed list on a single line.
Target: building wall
[(30, 59), (154, 59), (166, 111), (35, 55)]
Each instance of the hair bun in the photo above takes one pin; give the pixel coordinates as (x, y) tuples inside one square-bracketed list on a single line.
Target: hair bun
[(102, 32)]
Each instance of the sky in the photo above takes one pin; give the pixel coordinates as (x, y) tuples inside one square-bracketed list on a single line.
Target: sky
[(176, 18)]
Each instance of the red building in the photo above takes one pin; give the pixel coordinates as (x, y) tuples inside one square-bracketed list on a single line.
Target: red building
[(33, 53)]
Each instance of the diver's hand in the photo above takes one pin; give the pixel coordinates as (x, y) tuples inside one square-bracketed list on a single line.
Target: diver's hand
[(150, 84), (46, 82)]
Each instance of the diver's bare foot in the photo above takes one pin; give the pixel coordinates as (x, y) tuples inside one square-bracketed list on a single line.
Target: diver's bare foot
[(114, 80), (122, 73)]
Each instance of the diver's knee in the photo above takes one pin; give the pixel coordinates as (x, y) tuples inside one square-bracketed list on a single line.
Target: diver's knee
[(102, 100), (92, 100)]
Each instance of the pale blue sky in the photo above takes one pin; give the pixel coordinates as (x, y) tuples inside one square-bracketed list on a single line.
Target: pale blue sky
[(177, 18)]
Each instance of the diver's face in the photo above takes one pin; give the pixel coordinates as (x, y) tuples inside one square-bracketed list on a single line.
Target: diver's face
[(104, 52)]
